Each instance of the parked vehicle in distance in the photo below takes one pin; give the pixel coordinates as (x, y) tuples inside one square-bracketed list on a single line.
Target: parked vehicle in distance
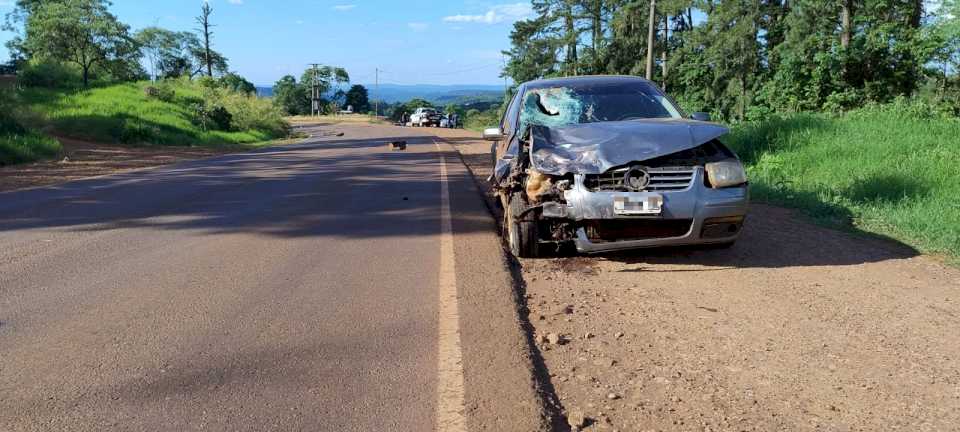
[(611, 163), (424, 116), (449, 121)]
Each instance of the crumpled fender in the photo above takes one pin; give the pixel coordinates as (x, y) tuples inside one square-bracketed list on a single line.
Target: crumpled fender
[(594, 148)]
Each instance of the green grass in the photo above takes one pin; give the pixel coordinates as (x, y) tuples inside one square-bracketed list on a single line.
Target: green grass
[(16, 148), (886, 170), (123, 113)]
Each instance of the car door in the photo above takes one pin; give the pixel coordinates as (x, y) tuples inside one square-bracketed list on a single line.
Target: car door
[(508, 123), (505, 150)]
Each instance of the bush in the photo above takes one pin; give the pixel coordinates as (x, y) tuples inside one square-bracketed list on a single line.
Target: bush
[(49, 74), (162, 91), (27, 147), (252, 113), (17, 143), (212, 116), (9, 124), (478, 120)]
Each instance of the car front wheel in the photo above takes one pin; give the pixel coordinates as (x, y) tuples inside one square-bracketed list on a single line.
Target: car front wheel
[(521, 231)]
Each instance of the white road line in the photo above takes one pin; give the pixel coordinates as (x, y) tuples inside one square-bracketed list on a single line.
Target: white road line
[(450, 400)]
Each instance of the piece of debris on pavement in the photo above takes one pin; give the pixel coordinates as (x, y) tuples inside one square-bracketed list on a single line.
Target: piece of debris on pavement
[(397, 145)]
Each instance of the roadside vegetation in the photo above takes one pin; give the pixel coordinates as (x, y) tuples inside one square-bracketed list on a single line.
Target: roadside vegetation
[(81, 73), (19, 144), (177, 112), (887, 169)]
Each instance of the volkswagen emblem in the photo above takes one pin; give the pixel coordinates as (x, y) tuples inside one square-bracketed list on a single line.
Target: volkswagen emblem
[(636, 179)]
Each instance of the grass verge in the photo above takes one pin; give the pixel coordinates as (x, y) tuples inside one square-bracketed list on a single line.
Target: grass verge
[(126, 114), (889, 170), (17, 148)]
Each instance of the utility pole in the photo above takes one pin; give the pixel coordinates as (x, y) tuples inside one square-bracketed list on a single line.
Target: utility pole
[(315, 91), (666, 47), (376, 86), (650, 36)]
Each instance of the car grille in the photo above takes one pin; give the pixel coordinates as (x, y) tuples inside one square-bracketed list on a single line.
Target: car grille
[(610, 230), (661, 179)]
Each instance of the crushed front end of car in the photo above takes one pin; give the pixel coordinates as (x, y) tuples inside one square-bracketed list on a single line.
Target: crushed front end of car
[(619, 185)]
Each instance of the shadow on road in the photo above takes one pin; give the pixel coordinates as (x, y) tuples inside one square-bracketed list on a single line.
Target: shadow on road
[(339, 187)]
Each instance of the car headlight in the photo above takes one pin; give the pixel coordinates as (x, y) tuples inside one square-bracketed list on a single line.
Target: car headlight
[(726, 173)]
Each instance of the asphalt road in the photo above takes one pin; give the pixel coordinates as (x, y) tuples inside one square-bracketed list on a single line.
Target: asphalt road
[(294, 288)]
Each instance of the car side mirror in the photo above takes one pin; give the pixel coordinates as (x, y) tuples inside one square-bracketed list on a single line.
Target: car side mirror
[(700, 116), (493, 134)]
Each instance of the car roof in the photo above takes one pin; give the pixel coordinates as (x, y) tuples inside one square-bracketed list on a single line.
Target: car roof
[(583, 80)]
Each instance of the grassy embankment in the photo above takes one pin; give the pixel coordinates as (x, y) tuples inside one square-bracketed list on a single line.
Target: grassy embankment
[(891, 170), (17, 143), (126, 114)]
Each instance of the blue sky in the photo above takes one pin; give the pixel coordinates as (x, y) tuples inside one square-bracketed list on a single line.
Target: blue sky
[(414, 42)]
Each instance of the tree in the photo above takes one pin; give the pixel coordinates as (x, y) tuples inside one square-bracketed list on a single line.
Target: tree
[(81, 32), (534, 53), (236, 83), (205, 26), (159, 46), (290, 96), (357, 98)]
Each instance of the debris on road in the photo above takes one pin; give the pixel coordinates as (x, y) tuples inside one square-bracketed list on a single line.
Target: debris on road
[(397, 145)]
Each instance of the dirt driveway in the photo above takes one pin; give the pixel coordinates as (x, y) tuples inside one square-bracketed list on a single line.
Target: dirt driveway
[(795, 328)]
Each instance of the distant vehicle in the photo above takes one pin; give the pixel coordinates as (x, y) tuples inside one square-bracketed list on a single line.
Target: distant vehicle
[(447, 121), (611, 163), (425, 117)]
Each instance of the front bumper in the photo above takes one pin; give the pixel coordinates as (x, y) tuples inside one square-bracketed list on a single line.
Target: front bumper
[(710, 211)]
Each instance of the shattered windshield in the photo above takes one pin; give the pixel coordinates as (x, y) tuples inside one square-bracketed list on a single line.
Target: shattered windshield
[(560, 106)]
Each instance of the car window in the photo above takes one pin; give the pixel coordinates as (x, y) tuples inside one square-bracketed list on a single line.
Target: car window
[(591, 103), (510, 115)]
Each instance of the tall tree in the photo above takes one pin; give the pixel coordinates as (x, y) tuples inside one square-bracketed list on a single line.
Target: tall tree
[(533, 52), (357, 98), (290, 96), (207, 33), (81, 32), (159, 46)]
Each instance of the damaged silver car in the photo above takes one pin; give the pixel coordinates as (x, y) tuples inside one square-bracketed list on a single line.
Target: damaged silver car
[(611, 163)]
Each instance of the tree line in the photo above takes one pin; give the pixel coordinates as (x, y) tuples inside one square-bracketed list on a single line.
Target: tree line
[(57, 39), (84, 34), (746, 59)]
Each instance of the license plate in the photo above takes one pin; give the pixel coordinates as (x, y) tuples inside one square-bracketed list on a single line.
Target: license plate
[(644, 205)]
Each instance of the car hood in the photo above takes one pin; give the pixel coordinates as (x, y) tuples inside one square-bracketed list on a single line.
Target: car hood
[(594, 148)]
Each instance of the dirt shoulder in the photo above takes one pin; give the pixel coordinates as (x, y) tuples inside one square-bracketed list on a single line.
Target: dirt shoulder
[(797, 327)]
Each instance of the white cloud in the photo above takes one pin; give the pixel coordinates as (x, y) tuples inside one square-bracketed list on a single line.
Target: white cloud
[(497, 14), (344, 7), (235, 2), (418, 26)]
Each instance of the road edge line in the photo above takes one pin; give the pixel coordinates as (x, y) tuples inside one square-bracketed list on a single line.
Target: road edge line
[(552, 409), (450, 380)]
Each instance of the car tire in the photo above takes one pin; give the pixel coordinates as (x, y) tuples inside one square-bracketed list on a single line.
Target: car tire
[(522, 236)]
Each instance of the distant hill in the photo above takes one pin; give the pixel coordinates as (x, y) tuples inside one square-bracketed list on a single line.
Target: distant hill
[(438, 94)]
